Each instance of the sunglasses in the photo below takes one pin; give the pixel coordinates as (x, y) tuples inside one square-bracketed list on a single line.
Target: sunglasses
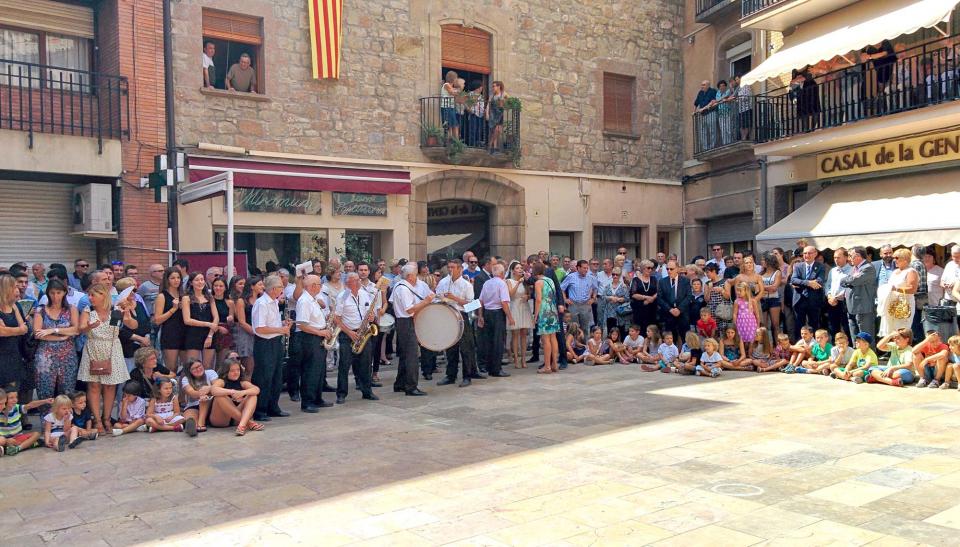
[(472, 262), (83, 265)]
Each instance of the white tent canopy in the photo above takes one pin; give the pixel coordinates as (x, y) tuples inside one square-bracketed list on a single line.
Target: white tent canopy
[(900, 20), (898, 211)]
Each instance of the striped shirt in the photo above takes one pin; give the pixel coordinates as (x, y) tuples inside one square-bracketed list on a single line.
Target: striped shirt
[(11, 422), (582, 288)]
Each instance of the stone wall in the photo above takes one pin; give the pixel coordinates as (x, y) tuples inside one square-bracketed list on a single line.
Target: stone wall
[(550, 54)]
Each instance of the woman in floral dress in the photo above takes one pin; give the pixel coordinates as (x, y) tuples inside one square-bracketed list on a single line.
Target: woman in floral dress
[(545, 317), (55, 326)]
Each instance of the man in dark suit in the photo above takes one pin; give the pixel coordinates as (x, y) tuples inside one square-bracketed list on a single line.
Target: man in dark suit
[(808, 294), (482, 277), (861, 304), (673, 299)]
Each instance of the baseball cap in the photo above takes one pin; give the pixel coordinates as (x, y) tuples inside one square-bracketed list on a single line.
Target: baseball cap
[(865, 336)]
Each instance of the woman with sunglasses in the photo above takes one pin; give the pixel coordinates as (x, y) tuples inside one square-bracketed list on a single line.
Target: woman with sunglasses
[(612, 296), (643, 296)]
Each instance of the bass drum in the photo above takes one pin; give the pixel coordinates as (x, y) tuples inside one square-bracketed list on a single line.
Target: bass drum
[(386, 323), (438, 326)]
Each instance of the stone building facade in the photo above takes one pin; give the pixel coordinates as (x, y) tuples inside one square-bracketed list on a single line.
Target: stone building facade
[(553, 57)]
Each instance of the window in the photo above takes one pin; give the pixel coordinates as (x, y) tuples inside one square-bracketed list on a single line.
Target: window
[(67, 59), (607, 239), (232, 36), (739, 59), (465, 49), (618, 103)]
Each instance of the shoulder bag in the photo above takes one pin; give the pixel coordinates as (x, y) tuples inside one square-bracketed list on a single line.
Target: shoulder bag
[(104, 367)]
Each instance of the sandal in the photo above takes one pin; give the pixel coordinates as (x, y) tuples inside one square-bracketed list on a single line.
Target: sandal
[(241, 431), (201, 428), (255, 426)]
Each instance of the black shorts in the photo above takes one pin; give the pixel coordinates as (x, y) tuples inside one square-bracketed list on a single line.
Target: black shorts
[(767, 303)]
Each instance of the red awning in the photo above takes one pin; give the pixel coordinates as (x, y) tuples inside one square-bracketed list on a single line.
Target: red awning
[(311, 178)]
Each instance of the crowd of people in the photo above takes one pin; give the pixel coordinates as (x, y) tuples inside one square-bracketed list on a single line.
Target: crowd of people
[(468, 115), (189, 350)]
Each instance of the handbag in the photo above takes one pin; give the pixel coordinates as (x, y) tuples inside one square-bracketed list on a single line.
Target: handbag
[(104, 367), (725, 311), (899, 307)]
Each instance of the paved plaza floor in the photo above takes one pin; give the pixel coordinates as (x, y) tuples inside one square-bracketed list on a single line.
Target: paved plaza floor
[(592, 456)]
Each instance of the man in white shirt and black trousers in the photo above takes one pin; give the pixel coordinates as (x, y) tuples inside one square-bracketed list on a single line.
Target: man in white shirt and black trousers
[(409, 297), (457, 288), (495, 302), (353, 305), (313, 330), (269, 330), (363, 270)]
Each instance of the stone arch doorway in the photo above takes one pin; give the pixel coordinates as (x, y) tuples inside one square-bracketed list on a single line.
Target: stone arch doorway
[(503, 200)]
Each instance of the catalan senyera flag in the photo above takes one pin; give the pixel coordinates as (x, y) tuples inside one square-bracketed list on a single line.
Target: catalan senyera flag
[(326, 31)]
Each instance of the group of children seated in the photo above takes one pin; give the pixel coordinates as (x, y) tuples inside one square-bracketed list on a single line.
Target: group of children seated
[(151, 402), (931, 362)]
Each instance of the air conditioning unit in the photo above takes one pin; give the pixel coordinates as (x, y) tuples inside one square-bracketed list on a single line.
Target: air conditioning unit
[(93, 211)]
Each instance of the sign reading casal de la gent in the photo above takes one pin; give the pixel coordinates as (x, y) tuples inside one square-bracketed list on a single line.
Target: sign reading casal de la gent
[(890, 155)]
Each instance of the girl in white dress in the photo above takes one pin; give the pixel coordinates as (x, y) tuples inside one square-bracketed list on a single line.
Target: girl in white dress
[(522, 316)]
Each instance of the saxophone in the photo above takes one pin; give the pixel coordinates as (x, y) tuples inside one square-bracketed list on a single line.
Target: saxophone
[(367, 328), (329, 343)]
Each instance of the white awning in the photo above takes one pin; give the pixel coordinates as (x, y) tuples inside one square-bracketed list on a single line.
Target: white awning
[(899, 211), (902, 20)]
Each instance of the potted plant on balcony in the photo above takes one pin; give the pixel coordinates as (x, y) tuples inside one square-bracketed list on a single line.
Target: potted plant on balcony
[(512, 103), (455, 147), (432, 134)]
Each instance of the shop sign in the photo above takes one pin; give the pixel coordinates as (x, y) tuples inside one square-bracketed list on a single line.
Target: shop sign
[(456, 211), (361, 205), (935, 148), (260, 200)]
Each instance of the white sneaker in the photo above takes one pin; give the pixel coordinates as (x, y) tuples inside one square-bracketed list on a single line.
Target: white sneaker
[(117, 432), (922, 383), (142, 428)]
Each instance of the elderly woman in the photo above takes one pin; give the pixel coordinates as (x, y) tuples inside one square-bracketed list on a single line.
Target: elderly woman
[(643, 296), (612, 295), (716, 294), (146, 370), (899, 290)]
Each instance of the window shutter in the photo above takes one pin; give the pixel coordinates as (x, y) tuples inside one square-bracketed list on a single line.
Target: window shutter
[(49, 16), (232, 26), (618, 103), (465, 49)]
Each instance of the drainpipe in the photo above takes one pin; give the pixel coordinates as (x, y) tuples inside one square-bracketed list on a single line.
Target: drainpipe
[(763, 192), (171, 126)]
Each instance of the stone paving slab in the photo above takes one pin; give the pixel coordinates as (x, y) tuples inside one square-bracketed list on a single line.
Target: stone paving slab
[(593, 456)]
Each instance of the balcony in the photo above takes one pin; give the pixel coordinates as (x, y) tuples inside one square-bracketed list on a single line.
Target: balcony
[(922, 78), (782, 15), (41, 99), (708, 10), (723, 130), (474, 142)]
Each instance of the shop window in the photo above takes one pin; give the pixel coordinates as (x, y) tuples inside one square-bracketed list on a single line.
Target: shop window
[(608, 239), (233, 36), (66, 60), (618, 93)]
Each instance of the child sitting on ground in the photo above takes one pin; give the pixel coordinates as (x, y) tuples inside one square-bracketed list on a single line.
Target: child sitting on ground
[(780, 356), (667, 354), (575, 346), (632, 345), (706, 325), (133, 410), (760, 351), (163, 414), (13, 440), (801, 350), (617, 349), (953, 367), (648, 355), (899, 369), (690, 353), (711, 361), (58, 428), (82, 417), (862, 359), (598, 351), (819, 354), (731, 347), (839, 355), (931, 359)]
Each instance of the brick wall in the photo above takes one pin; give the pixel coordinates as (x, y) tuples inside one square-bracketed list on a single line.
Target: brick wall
[(131, 44)]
